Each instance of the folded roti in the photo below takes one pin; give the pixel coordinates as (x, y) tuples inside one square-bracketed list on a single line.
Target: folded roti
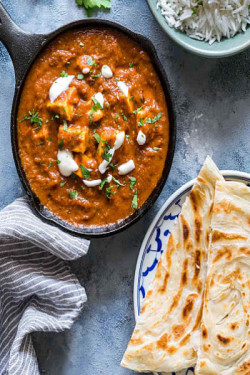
[(165, 335), (225, 329)]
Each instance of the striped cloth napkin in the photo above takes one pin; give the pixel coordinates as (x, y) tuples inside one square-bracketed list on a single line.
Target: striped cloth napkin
[(38, 291)]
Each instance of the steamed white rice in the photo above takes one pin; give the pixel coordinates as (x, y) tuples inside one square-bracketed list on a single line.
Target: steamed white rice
[(208, 20)]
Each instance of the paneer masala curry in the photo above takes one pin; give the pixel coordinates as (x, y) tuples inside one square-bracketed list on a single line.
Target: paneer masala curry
[(93, 127)]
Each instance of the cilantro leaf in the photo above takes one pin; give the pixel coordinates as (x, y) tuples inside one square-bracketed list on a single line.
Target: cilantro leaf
[(153, 120), (85, 172), (132, 182), (134, 203), (90, 4), (73, 194), (104, 181), (34, 119), (97, 137)]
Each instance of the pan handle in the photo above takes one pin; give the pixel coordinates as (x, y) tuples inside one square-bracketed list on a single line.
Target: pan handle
[(20, 44)]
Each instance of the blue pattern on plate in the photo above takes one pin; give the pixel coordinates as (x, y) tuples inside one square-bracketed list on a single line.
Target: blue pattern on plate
[(154, 248)]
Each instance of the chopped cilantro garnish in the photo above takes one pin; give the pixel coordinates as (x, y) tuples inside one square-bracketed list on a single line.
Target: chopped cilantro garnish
[(109, 191), (113, 166), (124, 117), (132, 182), (64, 74), (117, 115), (140, 123), (90, 61), (97, 137), (61, 144), (50, 164), (131, 98), (153, 120), (65, 126), (34, 119), (156, 148), (58, 161), (40, 144), (134, 203), (85, 172), (104, 181), (67, 64), (49, 139), (131, 64), (73, 176), (119, 127), (117, 182), (128, 138), (62, 184), (96, 75), (73, 194), (80, 77), (137, 110)]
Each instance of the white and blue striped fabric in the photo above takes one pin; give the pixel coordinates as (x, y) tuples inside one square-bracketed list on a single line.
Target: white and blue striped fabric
[(38, 291)]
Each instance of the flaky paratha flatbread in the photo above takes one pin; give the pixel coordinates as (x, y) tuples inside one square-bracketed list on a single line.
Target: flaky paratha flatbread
[(165, 335), (225, 330)]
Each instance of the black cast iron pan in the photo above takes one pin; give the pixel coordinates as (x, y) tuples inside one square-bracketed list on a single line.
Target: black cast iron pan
[(23, 48)]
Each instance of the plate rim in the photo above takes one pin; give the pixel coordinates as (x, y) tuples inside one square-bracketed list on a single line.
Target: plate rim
[(226, 173)]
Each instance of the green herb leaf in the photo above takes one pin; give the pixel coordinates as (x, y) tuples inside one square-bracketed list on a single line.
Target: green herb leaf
[(40, 144), (61, 144), (80, 77), (140, 123), (67, 64), (90, 4), (90, 61), (137, 110), (156, 148), (109, 191), (153, 120), (117, 182), (62, 184), (96, 75), (131, 64), (50, 164), (124, 117), (106, 155), (64, 74), (134, 203), (34, 118), (65, 126), (58, 161), (104, 181), (113, 166), (85, 172), (49, 139), (128, 138), (132, 182), (97, 137), (73, 194)]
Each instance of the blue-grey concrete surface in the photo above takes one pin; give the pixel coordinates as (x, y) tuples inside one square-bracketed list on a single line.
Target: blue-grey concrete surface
[(212, 99)]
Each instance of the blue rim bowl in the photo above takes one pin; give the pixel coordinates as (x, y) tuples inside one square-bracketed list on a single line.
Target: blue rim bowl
[(226, 47)]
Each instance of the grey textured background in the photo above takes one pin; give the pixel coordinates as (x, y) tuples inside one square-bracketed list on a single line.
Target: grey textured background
[(212, 100)]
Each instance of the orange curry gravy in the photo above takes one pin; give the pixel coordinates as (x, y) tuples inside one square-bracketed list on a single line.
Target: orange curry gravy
[(76, 122)]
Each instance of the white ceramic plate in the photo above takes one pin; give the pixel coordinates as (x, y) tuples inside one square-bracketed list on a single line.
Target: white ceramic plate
[(156, 240)]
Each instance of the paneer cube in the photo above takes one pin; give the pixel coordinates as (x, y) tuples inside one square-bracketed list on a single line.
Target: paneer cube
[(89, 112), (64, 104), (74, 138), (108, 137), (85, 161), (128, 102)]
